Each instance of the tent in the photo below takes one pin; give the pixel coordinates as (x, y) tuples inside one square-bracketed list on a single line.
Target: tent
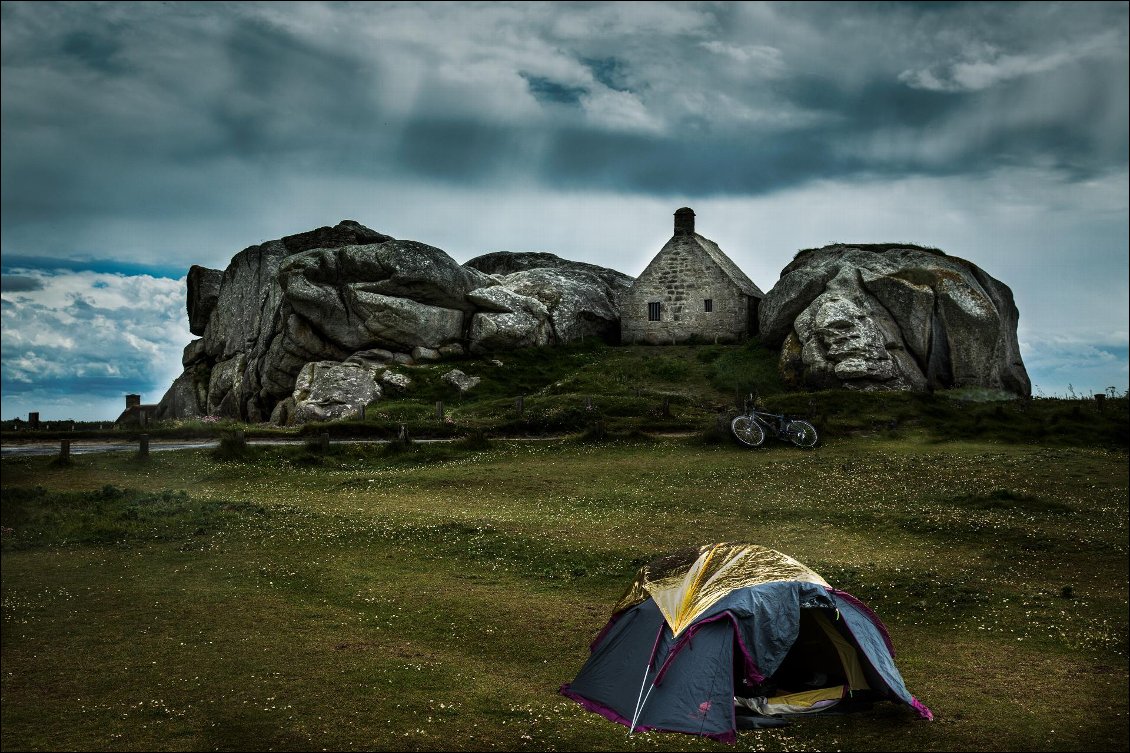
[(705, 629)]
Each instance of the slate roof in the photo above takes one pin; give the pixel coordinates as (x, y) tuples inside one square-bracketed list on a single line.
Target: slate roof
[(732, 271)]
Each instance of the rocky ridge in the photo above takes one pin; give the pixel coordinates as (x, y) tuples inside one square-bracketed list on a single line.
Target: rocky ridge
[(310, 326)]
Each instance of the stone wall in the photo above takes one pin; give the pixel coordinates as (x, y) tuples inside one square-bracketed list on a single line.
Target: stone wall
[(681, 277)]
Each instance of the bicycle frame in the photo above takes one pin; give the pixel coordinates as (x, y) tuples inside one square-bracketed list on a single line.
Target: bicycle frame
[(779, 420), (782, 426)]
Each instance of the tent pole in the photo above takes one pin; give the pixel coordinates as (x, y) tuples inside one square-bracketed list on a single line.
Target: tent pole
[(641, 699)]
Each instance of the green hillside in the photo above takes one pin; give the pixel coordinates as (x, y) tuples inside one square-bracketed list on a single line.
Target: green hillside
[(591, 386), (698, 388)]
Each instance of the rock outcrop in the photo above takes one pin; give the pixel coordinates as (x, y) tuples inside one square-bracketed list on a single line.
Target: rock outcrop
[(878, 317), (203, 293), (582, 300), (290, 326), (331, 390)]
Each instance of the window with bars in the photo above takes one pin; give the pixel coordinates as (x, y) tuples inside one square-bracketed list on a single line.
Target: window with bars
[(653, 312), (708, 305)]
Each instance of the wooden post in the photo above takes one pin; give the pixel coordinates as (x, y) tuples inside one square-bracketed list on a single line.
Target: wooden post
[(439, 410), (520, 405), (666, 406), (143, 446), (324, 441), (65, 450), (1100, 400), (403, 435), (33, 420)]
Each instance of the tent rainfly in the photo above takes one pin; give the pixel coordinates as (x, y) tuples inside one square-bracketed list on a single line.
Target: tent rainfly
[(704, 637)]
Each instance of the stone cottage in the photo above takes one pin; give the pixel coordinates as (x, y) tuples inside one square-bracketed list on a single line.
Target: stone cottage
[(135, 413), (690, 290)]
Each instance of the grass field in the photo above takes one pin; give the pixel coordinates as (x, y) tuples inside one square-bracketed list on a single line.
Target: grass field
[(434, 597)]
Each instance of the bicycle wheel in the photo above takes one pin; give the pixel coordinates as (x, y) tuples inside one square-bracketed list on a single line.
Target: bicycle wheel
[(747, 431), (801, 433)]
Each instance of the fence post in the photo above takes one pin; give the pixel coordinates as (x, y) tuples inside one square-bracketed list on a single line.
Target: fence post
[(143, 446), (324, 441), (596, 429), (666, 406), (439, 410), (1100, 400), (520, 405), (65, 450)]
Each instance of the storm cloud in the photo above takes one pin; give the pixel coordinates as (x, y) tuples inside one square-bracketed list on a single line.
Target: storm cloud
[(145, 110)]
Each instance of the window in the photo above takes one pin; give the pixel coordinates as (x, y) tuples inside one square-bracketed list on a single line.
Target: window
[(653, 312), (708, 305)]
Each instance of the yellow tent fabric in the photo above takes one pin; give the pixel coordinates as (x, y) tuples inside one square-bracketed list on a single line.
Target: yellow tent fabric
[(807, 697), (849, 658), (686, 584)]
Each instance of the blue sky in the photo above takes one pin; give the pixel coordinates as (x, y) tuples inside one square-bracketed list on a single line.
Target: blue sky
[(139, 139)]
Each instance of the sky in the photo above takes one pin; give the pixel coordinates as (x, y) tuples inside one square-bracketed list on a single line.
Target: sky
[(139, 139)]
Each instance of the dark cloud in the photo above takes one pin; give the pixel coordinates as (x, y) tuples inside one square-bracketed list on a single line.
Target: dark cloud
[(19, 283), (175, 112), (97, 51), (460, 150)]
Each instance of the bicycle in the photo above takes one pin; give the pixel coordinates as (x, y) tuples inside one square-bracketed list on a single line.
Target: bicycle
[(751, 428)]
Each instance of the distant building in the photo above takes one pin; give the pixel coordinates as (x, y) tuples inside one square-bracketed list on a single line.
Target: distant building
[(135, 413), (690, 290)]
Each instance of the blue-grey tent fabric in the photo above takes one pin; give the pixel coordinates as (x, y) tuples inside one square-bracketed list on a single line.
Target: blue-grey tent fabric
[(768, 617), (874, 646), (769, 620), (696, 694)]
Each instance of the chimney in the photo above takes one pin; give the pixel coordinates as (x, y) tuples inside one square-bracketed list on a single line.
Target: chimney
[(684, 221), (132, 400)]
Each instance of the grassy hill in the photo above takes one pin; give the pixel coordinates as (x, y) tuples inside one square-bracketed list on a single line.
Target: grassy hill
[(697, 388), (620, 390)]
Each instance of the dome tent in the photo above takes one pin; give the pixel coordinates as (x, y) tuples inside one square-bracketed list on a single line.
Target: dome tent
[(698, 628)]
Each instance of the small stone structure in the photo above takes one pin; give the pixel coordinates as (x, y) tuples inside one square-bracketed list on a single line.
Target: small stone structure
[(135, 413), (690, 290)]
